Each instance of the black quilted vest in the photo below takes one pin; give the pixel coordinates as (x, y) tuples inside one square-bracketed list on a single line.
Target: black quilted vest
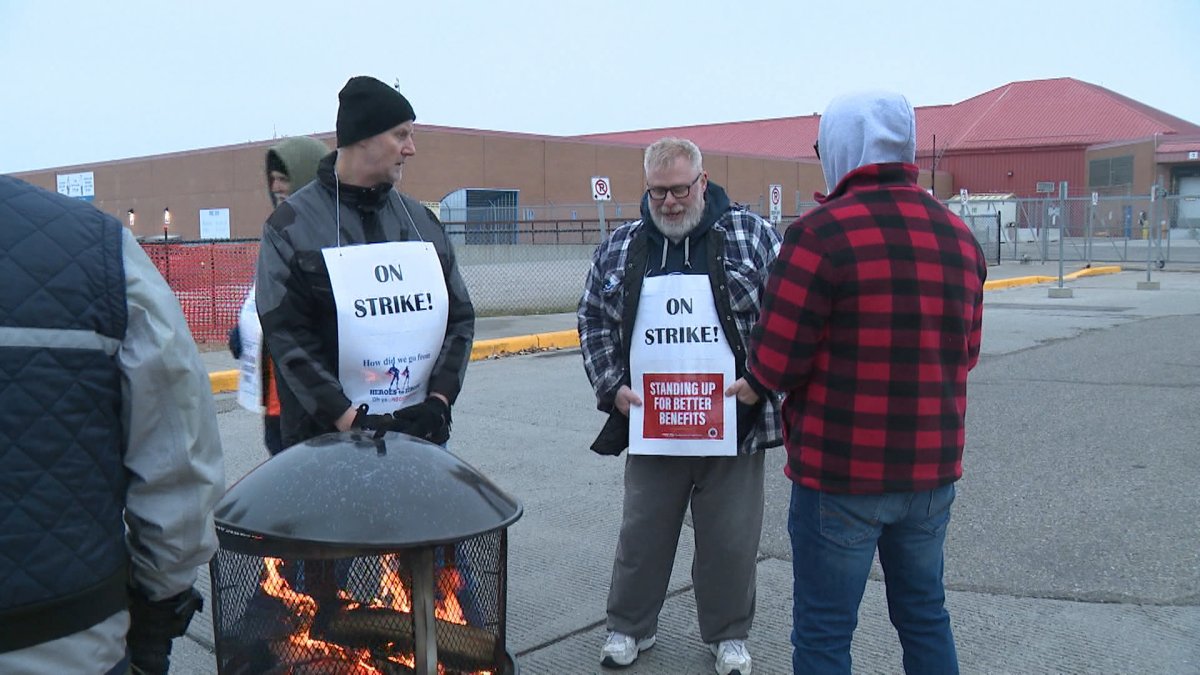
[(63, 563)]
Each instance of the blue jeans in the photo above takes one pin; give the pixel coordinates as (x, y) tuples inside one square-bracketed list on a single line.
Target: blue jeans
[(834, 538)]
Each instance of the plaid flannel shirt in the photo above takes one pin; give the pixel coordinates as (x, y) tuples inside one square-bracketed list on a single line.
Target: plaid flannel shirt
[(750, 246), (871, 320)]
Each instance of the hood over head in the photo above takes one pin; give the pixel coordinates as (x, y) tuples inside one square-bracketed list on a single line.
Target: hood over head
[(298, 156), (688, 253), (867, 127)]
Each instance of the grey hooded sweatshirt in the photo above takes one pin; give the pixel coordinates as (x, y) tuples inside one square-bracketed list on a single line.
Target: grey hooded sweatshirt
[(868, 127)]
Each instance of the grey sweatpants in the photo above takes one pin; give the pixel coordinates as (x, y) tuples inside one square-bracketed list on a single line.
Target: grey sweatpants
[(726, 497)]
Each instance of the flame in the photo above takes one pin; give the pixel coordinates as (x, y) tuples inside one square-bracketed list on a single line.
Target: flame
[(450, 582), (304, 607), (392, 594)]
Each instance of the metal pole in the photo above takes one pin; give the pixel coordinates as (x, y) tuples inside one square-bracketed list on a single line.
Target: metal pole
[(600, 206), (999, 238), (1045, 233), (1167, 232), (1060, 249), (424, 621), (1148, 249), (932, 170), (1087, 237)]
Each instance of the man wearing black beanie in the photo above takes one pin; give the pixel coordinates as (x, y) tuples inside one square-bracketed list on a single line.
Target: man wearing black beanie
[(358, 289)]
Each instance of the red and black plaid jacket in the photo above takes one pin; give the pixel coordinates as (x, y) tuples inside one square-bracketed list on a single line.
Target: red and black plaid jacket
[(871, 320)]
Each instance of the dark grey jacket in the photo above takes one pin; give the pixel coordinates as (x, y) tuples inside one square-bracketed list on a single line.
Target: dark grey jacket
[(295, 298)]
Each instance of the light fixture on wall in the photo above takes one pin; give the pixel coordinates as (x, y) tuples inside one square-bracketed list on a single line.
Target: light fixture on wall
[(166, 221), (132, 217), (1010, 174)]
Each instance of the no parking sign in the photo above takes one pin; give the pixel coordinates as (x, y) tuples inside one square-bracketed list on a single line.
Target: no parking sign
[(776, 202), (601, 190)]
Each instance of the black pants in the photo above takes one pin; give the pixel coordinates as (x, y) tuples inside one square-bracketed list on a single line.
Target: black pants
[(272, 435)]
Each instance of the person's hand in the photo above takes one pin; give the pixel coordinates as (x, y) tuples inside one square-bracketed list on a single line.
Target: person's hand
[(380, 424), (429, 420), (625, 398), (154, 624), (235, 341), (744, 392)]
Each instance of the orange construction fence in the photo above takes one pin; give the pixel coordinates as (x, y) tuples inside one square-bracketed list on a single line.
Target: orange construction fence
[(210, 278)]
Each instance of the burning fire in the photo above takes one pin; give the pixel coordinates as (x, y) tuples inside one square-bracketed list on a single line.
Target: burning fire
[(392, 594), (304, 607)]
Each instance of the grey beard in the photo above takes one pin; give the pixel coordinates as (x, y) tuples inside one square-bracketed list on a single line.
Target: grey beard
[(677, 230)]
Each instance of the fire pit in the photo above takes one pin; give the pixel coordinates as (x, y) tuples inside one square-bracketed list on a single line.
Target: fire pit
[(349, 555)]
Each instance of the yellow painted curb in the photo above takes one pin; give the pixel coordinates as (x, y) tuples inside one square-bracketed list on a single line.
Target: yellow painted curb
[(1094, 271), (224, 381), (1000, 284), (562, 339)]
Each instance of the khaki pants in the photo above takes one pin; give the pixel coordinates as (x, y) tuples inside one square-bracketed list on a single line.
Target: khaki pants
[(726, 498)]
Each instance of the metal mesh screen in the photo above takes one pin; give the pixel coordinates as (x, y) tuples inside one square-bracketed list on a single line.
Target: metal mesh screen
[(210, 279), (354, 615), (986, 227)]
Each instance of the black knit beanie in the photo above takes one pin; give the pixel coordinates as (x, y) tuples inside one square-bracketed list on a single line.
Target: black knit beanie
[(367, 107)]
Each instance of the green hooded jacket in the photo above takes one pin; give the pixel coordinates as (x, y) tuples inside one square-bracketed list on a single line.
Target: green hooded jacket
[(299, 155)]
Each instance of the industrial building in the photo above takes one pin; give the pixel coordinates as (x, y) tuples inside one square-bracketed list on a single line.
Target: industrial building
[(1016, 139)]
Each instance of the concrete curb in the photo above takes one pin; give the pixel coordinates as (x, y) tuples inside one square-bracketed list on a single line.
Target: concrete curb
[(1000, 284), (563, 339), (225, 381)]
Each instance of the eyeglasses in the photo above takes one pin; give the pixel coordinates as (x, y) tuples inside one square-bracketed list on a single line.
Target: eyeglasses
[(677, 191), (817, 148)]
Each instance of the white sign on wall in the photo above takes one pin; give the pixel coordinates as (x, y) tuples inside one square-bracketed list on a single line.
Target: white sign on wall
[(775, 200), (77, 185), (436, 207), (601, 190), (214, 223)]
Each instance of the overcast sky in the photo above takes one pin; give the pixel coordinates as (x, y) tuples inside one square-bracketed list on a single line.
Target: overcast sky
[(84, 81)]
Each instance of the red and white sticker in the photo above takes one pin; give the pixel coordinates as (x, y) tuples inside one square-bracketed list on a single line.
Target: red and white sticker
[(683, 406)]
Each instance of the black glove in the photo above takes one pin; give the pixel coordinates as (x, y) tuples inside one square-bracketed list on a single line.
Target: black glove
[(153, 625), (380, 424), (429, 420), (235, 341)]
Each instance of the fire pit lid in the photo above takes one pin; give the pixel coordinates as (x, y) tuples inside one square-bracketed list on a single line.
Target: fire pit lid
[(347, 494)]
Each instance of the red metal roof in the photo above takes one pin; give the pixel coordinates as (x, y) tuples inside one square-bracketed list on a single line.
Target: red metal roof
[(1033, 113), (1186, 144), (789, 137)]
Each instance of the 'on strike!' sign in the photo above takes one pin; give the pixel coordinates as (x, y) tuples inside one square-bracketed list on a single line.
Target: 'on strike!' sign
[(683, 406)]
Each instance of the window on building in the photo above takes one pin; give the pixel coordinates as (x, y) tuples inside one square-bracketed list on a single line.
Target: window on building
[(1110, 172)]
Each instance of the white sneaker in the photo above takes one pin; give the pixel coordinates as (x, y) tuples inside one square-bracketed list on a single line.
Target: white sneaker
[(620, 650), (732, 657)]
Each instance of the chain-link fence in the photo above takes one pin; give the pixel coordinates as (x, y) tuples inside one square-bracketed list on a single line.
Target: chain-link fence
[(538, 265), (1129, 230)]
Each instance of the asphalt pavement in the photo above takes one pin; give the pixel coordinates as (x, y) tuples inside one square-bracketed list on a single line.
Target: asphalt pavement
[(1073, 548)]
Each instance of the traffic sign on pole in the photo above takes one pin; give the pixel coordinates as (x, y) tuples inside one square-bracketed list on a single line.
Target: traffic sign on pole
[(601, 189), (776, 202)]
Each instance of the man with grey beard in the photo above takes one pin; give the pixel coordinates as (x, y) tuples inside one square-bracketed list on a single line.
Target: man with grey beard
[(663, 324)]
